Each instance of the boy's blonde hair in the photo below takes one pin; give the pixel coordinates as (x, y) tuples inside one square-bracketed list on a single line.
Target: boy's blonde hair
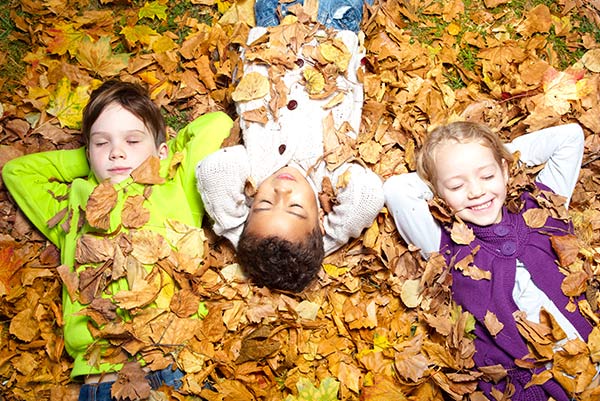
[(457, 132)]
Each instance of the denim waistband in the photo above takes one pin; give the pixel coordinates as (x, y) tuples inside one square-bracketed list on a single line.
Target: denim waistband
[(101, 391)]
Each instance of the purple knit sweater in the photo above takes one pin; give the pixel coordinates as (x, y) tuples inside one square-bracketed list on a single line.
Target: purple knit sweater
[(501, 245)]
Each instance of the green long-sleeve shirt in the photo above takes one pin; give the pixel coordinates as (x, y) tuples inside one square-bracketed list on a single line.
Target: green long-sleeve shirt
[(44, 184)]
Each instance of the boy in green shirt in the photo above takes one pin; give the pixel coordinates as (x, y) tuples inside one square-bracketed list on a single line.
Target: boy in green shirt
[(125, 213)]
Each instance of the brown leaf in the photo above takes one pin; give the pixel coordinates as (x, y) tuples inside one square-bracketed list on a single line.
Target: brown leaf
[(134, 214), (327, 196), (461, 233), (257, 345), (94, 249), (184, 303), (566, 248), (131, 383), (492, 323), (536, 218), (574, 284), (101, 202), (148, 172)]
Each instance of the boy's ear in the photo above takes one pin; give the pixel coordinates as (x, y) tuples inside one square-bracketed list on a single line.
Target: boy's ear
[(163, 151), (321, 217)]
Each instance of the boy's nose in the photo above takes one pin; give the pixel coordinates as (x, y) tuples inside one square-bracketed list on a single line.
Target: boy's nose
[(116, 153)]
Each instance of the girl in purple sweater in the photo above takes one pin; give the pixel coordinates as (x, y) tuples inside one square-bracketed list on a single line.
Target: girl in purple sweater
[(467, 166)]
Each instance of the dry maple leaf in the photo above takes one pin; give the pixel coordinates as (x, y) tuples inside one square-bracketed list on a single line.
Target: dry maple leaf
[(97, 57), (99, 205)]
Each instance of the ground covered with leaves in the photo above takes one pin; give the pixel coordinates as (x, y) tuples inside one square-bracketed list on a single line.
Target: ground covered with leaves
[(379, 324)]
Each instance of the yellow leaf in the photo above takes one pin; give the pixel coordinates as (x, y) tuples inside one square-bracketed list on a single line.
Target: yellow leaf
[(334, 271), (138, 34), (98, 58), (163, 44), (67, 104), (315, 82), (252, 86), (337, 53), (65, 38), (453, 29)]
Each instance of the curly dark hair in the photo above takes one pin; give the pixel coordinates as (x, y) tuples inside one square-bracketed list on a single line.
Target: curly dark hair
[(276, 263)]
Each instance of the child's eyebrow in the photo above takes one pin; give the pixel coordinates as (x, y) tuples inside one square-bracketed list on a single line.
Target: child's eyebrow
[(266, 209), (128, 132)]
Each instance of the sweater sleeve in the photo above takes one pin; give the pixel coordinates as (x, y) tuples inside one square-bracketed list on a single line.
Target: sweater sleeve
[(359, 203), (39, 184), (561, 148), (406, 197), (221, 178), (199, 138)]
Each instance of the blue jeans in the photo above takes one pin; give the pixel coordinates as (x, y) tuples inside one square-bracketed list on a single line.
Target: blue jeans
[(338, 14), (101, 391)]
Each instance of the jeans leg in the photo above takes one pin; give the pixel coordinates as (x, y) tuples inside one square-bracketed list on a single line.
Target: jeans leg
[(95, 392), (342, 14), (265, 11)]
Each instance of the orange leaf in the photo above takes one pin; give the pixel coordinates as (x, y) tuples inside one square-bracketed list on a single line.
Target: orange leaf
[(134, 215), (148, 172), (566, 248), (461, 233), (101, 202)]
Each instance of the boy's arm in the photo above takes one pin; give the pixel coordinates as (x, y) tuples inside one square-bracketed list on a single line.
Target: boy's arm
[(196, 140), (358, 204), (406, 197), (561, 148), (39, 184), (221, 178)]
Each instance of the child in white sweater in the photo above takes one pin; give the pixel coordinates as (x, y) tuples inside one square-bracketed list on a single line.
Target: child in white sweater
[(280, 231)]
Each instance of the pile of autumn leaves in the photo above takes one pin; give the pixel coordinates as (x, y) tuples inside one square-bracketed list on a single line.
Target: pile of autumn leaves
[(379, 324)]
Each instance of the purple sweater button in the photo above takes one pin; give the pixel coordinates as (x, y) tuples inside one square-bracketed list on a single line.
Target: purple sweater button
[(501, 231), (508, 248)]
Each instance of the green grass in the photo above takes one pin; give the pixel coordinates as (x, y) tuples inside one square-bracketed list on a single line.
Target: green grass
[(13, 67), (587, 26), (176, 119)]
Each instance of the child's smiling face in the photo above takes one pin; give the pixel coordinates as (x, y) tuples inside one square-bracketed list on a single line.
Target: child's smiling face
[(471, 181), (119, 143), (284, 206)]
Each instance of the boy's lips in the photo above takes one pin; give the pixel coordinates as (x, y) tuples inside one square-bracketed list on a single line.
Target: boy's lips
[(119, 170), (286, 176)]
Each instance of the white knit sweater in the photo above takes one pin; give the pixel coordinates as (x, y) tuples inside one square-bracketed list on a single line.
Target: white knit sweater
[(296, 138)]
